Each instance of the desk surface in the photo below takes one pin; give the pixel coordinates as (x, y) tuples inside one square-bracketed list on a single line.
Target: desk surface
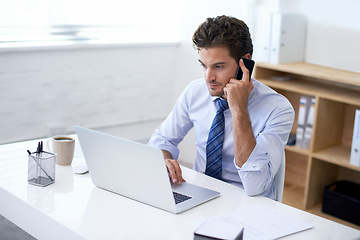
[(73, 208)]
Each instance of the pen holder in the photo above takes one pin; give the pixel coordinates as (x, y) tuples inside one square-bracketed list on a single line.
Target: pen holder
[(41, 168)]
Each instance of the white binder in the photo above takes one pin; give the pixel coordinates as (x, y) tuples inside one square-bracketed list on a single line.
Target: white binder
[(287, 41), (302, 120), (355, 146), (309, 125)]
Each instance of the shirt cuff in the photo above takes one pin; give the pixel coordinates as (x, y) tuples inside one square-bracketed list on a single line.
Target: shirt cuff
[(164, 145), (256, 161)]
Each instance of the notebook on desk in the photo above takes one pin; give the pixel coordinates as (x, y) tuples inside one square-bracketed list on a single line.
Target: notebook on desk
[(136, 171)]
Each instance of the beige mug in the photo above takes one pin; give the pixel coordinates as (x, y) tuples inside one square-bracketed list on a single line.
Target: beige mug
[(64, 147)]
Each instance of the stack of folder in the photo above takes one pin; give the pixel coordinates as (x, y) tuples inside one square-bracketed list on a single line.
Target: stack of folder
[(355, 146), (287, 38), (305, 121)]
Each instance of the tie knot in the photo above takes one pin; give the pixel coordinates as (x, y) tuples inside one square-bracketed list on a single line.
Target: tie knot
[(222, 105)]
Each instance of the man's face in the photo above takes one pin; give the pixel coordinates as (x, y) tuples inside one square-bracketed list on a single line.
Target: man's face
[(218, 68)]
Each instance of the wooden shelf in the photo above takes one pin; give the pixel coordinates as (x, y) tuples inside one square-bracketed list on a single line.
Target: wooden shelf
[(301, 151), (315, 71), (337, 155), (311, 88), (337, 96)]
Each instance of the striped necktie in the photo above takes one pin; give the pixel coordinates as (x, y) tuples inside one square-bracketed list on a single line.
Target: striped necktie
[(215, 141)]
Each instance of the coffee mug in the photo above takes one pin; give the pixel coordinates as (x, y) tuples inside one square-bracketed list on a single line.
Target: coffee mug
[(64, 147)]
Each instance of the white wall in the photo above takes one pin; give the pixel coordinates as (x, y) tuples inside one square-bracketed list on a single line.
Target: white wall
[(333, 32), (44, 92)]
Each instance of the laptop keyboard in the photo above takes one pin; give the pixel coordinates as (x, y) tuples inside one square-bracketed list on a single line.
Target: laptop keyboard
[(180, 197)]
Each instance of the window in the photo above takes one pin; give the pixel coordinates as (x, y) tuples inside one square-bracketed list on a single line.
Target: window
[(40, 21)]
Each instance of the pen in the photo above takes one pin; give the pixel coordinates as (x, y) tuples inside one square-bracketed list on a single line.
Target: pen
[(38, 171), (39, 148)]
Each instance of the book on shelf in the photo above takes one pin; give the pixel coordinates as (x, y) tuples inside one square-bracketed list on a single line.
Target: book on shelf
[(304, 109), (355, 146)]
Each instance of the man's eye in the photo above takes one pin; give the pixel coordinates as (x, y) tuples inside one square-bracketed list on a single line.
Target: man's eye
[(219, 66)]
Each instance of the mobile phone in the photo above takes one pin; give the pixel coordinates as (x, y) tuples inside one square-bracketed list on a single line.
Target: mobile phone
[(249, 64)]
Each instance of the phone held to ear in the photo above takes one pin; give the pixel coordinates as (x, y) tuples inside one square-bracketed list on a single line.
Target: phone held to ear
[(249, 64)]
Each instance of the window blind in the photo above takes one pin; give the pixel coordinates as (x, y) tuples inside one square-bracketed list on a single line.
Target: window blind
[(64, 20)]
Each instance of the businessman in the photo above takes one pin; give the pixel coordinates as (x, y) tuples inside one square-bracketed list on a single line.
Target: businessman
[(241, 126)]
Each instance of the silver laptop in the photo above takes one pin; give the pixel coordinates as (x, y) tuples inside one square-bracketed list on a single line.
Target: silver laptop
[(136, 171)]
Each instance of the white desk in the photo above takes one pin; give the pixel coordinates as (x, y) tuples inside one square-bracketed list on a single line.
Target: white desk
[(73, 208)]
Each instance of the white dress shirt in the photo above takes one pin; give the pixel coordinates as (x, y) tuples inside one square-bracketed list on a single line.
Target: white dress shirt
[(271, 117)]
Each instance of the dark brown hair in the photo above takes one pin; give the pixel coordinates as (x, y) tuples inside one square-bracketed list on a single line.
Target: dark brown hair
[(224, 31)]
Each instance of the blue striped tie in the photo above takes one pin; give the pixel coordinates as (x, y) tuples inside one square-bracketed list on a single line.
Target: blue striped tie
[(215, 141)]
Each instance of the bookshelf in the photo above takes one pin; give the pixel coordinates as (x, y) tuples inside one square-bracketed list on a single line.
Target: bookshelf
[(337, 94)]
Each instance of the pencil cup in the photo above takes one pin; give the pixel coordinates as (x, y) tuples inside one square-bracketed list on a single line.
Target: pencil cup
[(41, 168)]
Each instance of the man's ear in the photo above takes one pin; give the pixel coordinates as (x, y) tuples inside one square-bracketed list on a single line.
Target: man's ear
[(248, 56)]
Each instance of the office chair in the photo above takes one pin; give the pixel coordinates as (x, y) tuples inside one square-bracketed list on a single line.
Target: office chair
[(280, 180)]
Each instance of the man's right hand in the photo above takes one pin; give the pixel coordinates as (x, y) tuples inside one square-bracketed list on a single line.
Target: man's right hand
[(174, 170)]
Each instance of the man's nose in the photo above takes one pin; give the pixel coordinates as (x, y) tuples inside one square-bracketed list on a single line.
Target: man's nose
[(209, 74)]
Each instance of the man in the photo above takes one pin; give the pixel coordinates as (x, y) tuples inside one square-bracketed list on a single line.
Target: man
[(257, 123)]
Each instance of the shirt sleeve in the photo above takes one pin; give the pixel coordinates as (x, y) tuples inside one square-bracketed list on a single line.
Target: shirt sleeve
[(173, 130), (257, 173)]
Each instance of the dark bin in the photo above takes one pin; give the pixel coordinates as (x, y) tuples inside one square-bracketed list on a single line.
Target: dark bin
[(342, 200)]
